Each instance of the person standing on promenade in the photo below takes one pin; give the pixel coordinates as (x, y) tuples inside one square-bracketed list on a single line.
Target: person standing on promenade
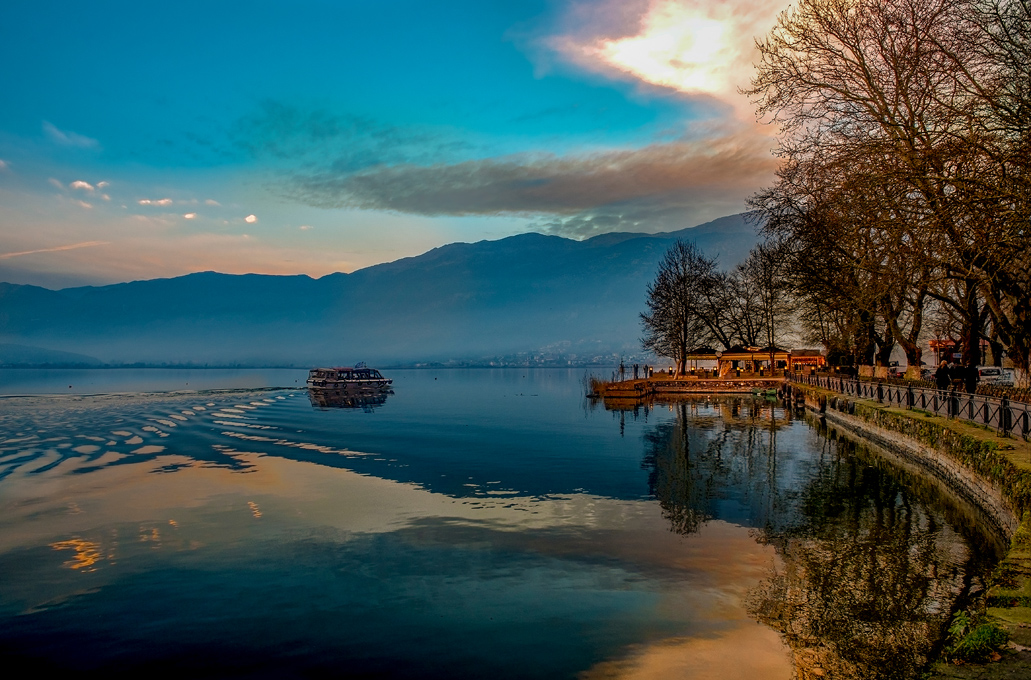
[(956, 374), (941, 376), (970, 378)]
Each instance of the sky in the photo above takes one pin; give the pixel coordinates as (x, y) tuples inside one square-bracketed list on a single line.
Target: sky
[(147, 140)]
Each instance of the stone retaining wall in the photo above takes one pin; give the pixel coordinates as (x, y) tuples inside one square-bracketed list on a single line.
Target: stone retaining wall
[(972, 468), (953, 476)]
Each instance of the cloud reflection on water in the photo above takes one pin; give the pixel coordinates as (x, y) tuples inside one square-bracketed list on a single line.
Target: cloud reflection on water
[(615, 558)]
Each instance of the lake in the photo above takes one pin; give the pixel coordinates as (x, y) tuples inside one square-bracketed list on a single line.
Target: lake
[(474, 523)]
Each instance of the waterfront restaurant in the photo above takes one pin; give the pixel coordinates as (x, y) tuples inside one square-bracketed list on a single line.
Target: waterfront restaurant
[(707, 355), (752, 360), (706, 362), (805, 359)]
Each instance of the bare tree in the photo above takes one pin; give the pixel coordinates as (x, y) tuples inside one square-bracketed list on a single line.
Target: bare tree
[(836, 259), (908, 122), (764, 272), (684, 286)]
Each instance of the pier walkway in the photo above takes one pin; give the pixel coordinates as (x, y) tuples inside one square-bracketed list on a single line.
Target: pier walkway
[(663, 384)]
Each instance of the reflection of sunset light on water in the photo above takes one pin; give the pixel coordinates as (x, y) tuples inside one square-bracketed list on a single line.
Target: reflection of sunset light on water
[(757, 653), (87, 553), (254, 509)]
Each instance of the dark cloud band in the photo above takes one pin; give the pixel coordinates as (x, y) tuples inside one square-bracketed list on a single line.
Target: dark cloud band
[(608, 188)]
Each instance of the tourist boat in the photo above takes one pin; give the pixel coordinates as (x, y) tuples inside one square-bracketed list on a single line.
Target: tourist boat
[(342, 377)]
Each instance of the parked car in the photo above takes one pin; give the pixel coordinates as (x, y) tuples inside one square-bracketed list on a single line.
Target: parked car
[(993, 375)]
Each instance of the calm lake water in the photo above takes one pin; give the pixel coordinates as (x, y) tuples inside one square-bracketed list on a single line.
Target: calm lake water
[(474, 523)]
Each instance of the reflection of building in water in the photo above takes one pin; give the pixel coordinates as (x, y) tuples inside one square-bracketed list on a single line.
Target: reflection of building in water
[(365, 398)]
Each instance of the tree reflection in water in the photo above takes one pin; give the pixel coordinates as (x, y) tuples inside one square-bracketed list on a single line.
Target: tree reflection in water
[(871, 560), (867, 583), (717, 459)]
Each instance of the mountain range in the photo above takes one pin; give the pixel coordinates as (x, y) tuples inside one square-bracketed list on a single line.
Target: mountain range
[(530, 298)]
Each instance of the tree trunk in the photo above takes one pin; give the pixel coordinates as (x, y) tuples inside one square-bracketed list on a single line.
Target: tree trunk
[(971, 339), (884, 350), (865, 340)]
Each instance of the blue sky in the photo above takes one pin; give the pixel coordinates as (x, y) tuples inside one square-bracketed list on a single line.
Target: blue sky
[(140, 140)]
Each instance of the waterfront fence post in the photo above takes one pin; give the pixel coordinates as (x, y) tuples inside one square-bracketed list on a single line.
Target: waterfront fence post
[(1004, 416)]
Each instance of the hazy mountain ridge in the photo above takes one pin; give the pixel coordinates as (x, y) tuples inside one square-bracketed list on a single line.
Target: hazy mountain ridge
[(459, 301)]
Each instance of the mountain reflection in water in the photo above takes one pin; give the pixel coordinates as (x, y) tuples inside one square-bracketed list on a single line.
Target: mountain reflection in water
[(872, 561)]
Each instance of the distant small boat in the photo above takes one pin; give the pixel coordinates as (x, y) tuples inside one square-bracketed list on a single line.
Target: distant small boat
[(342, 377)]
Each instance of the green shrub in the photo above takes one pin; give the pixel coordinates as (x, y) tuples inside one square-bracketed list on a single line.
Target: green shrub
[(973, 639)]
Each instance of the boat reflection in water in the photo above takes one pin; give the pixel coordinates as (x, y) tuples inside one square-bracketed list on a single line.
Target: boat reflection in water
[(349, 396)]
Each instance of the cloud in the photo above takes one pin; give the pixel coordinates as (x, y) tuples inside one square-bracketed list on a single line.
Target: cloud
[(340, 161), (250, 219), (65, 138), (56, 183), (159, 201), (706, 176), (693, 47), (84, 204), (189, 216), (4, 166), (285, 133), (79, 184), (305, 227), (211, 201), (74, 246), (146, 248)]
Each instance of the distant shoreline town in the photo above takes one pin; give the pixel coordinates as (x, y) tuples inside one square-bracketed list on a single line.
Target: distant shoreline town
[(509, 361)]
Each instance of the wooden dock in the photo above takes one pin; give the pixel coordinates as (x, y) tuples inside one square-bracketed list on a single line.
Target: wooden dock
[(688, 385)]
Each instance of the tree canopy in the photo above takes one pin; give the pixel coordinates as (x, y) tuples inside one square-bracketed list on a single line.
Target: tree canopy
[(905, 138)]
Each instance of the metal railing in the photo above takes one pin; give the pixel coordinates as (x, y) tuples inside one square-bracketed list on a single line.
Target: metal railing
[(1000, 413)]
